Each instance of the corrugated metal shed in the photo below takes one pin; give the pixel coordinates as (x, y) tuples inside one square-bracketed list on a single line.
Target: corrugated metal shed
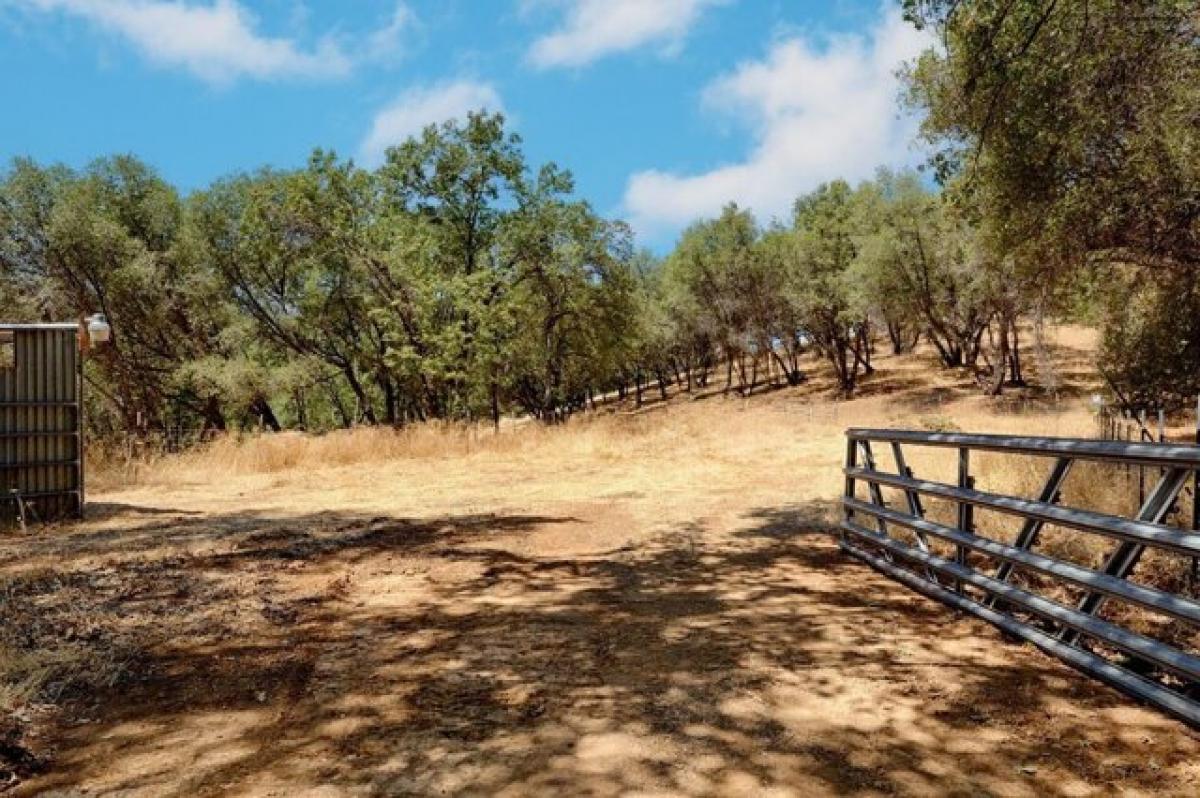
[(41, 446)]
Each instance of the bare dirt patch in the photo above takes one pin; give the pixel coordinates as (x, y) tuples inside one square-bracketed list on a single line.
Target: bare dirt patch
[(746, 655)]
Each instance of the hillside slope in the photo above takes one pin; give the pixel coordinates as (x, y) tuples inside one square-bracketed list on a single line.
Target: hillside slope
[(641, 601)]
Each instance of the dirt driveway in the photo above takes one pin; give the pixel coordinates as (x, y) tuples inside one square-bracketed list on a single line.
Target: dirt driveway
[(561, 653), (654, 607)]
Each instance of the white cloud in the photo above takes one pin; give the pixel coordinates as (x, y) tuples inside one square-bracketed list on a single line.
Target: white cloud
[(215, 41), (417, 108), (594, 28), (385, 44), (815, 112)]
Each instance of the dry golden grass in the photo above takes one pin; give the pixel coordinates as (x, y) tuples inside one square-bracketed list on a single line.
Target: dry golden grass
[(909, 391), (42, 654), (788, 442), (275, 453), (714, 439), (22, 675)]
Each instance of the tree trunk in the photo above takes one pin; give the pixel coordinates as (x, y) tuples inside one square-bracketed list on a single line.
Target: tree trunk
[(845, 364), (863, 361), (214, 419), (790, 373), (262, 408), (1000, 370), (972, 347), (390, 399), (865, 347), (494, 390), (365, 411), (298, 399), (1016, 377), (336, 400), (895, 334)]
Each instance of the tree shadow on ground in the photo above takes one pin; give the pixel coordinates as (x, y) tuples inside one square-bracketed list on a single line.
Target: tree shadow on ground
[(391, 656)]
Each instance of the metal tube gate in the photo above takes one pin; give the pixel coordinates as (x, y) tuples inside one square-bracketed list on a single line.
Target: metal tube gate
[(975, 573), (41, 449)]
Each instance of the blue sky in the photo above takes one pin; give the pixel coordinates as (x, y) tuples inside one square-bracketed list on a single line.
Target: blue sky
[(663, 109)]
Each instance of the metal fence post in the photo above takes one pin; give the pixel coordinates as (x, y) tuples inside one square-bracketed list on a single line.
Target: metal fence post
[(851, 462), (966, 511), (1196, 500)]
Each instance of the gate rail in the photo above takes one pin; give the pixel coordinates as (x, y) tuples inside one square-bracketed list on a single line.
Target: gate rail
[(1144, 667)]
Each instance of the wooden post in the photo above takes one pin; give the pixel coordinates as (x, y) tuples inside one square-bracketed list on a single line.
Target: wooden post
[(1141, 422)]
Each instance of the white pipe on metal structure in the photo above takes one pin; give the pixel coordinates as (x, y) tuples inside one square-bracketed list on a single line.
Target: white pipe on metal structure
[(98, 329)]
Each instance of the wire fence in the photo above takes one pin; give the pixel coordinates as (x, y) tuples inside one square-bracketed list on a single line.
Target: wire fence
[(134, 444), (1114, 425)]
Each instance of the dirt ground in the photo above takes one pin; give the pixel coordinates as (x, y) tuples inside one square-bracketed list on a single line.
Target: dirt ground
[(647, 607)]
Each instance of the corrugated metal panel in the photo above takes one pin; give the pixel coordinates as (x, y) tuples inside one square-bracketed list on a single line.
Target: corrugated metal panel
[(41, 449)]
